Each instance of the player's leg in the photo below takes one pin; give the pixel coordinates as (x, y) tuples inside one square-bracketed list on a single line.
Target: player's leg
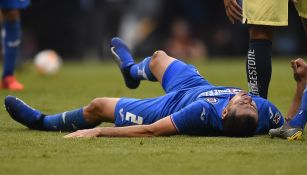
[(124, 60), (293, 129), (99, 110), (159, 63), (174, 74), (261, 15), (304, 22), (170, 72), (259, 62), (301, 7), (151, 68), (11, 42), (300, 119)]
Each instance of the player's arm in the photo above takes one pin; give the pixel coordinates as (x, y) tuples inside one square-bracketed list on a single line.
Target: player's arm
[(233, 10), (161, 127), (299, 67)]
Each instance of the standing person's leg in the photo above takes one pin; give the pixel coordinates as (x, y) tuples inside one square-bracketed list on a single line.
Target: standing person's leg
[(301, 7), (259, 61), (11, 42), (261, 16), (99, 110), (304, 22)]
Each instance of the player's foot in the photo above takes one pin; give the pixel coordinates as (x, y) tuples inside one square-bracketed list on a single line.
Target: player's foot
[(10, 83), (23, 113), (124, 60), (287, 132)]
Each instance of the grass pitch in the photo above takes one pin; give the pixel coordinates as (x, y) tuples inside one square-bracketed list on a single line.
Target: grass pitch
[(23, 151)]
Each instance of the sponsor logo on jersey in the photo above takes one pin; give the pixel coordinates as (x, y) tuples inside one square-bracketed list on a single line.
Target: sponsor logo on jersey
[(276, 118), (216, 92), (211, 100)]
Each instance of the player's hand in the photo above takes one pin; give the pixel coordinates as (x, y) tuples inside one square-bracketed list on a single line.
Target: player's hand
[(299, 67), (233, 10), (85, 133)]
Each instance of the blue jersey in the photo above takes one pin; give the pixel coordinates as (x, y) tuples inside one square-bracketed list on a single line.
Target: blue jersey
[(204, 116), (195, 105), (14, 4)]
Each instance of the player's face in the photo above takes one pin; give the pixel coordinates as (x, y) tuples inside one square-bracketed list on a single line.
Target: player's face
[(243, 104)]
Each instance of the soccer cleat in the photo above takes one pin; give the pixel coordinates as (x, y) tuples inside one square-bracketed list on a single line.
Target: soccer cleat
[(124, 60), (10, 83), (23, 113), (287, 132)]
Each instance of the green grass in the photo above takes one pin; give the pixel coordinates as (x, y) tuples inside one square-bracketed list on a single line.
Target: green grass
[(23, 151)]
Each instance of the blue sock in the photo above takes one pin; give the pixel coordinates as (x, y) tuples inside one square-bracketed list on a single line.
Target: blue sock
[(141, 71), (11, 41), (259, 66), (299, 120), (67, 121), (301, 117)]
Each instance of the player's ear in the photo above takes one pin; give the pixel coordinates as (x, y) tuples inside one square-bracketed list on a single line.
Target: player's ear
[(224, 113)]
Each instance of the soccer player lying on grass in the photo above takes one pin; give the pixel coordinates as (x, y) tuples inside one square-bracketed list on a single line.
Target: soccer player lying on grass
[(190, 106)]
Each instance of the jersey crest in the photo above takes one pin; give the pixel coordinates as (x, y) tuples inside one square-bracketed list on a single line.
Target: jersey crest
[(211, 100)]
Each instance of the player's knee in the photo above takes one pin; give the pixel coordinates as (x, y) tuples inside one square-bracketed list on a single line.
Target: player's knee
[(261, 32), (11, 15), (156, 58), (158, 54), (96, 106)]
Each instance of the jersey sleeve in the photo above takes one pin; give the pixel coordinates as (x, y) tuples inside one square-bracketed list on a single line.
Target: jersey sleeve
[(276, 118), (268, 115), (194, 119)]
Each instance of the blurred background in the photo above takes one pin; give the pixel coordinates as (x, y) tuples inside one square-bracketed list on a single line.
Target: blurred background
[(190, 29)]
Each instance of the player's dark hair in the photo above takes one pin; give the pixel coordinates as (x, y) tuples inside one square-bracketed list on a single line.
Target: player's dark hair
[(239, 126)]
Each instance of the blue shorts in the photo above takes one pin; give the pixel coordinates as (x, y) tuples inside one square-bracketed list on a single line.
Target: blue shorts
[(177, 79), (14, 4), (179, 76)]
